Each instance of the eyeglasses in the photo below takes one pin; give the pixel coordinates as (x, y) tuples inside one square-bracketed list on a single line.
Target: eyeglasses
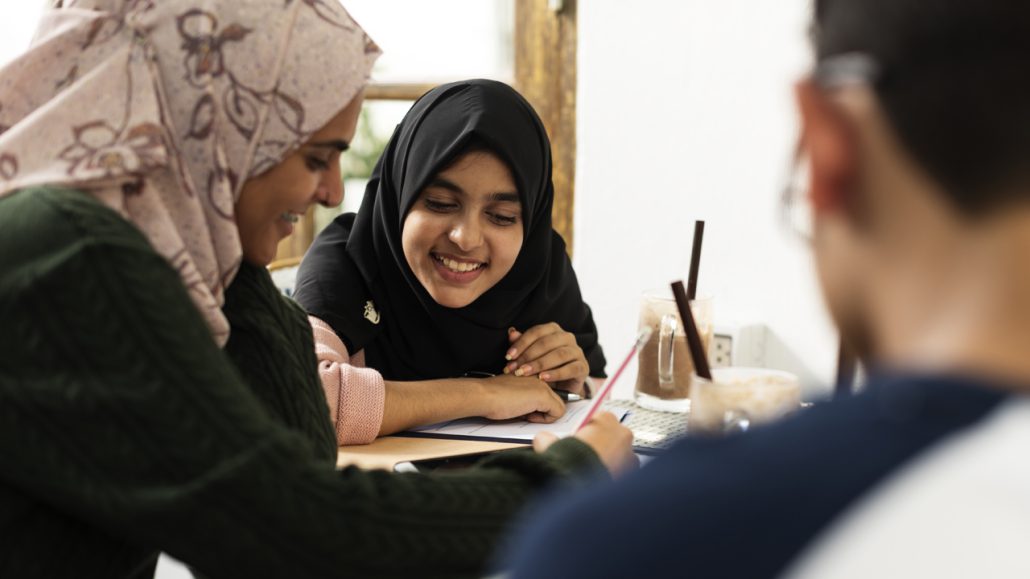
[(795, 204), (833, 73)]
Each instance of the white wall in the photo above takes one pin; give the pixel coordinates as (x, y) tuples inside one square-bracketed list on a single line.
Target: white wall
[(17, 27), (685, 112), (430, 41)]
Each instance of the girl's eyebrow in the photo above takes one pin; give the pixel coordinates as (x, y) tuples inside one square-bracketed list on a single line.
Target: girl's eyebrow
[(508, 197), (453, 187), (338, 144), (446, 184)]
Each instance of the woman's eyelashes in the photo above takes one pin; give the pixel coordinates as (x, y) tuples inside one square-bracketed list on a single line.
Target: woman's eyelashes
[(316, 163), (502, 219), (439, 206), (498, 217)]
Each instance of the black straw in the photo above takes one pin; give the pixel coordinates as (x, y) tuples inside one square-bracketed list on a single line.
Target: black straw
[(697, 350), (695, 259)]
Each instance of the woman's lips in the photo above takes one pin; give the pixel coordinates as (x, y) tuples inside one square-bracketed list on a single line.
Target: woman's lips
[(286, 222), (455, 270)]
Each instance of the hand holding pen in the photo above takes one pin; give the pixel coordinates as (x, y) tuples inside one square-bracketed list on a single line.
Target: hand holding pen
[(607, 436)]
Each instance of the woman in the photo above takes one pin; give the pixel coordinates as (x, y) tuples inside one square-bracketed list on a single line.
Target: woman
[(450, 274), (152, 156)]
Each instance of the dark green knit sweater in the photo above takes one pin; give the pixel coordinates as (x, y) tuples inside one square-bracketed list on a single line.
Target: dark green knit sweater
[(124, 430)]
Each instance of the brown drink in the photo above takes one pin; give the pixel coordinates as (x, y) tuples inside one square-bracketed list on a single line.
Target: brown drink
[(665, 369)]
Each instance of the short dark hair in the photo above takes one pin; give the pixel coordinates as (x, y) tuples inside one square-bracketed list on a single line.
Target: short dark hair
[(954, 82)]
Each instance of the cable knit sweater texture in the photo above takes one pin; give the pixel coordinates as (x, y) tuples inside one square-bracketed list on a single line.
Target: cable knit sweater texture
[(125, 431)]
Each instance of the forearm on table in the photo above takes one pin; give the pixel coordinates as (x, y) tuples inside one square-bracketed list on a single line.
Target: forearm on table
[(411, 404)]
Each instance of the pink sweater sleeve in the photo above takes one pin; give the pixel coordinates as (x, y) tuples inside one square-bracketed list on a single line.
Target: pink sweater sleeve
[(355, 394)]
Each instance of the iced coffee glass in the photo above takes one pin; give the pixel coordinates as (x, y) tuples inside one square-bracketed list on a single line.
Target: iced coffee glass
[(665, 369), (738, 398)]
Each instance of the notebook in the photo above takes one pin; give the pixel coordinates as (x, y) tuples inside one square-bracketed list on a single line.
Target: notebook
[(515, 430), (652, 431)]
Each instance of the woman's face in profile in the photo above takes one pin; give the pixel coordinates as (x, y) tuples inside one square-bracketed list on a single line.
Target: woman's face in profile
[(464, 230), (271, 203)]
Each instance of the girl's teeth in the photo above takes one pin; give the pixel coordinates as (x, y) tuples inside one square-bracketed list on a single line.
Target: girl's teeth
[(458, 266), (290, 217)]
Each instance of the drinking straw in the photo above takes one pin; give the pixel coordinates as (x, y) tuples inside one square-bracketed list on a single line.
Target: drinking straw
[(695, 259), (697, 351)]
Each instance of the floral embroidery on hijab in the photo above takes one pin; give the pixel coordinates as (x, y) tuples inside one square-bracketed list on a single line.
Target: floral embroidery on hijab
[(99, 148), (203, 56), (8, 167), (161, 110)]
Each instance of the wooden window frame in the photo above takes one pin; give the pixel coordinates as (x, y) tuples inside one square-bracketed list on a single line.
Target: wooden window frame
[(545, 73)]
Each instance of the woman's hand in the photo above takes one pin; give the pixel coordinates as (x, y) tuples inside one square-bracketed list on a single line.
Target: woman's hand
[(508, 396), (549, 352), (612, 442)]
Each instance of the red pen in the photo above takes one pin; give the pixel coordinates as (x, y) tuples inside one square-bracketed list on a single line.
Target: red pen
[(642, 339)]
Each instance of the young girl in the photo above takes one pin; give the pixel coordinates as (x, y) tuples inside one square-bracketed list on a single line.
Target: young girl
[(449, 294)]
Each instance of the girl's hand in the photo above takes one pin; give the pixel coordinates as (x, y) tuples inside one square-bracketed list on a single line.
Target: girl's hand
[(550, 353), (513, 397)]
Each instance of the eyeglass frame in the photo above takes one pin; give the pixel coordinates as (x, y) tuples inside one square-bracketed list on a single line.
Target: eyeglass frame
[(851, 69)]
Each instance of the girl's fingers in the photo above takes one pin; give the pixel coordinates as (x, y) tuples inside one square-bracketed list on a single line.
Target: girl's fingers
[(529, 337), (545, 345), (555, 358), (576, 370)]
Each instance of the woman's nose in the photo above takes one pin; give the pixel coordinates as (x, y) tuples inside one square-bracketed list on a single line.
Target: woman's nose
[(330, 189), (466, 234)]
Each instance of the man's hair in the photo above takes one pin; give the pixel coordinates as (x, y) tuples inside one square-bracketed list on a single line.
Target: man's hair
[(954, 82)]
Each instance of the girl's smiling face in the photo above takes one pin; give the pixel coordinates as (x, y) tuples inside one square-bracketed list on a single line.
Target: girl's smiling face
[(464, 231)]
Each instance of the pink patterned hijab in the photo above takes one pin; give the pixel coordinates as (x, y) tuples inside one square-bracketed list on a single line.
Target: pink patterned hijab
[(162, 109)]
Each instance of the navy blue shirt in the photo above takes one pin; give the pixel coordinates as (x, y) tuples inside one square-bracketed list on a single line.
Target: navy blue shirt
[(746, 505)]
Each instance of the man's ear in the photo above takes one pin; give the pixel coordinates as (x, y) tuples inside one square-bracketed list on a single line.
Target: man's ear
[(828, 142)]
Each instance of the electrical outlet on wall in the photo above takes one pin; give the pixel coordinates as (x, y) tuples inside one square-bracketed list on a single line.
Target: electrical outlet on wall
[(720, 355), (738, 345)]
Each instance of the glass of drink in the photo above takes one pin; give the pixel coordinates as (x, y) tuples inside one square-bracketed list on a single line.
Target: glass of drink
[(665, 369), (738, 398)]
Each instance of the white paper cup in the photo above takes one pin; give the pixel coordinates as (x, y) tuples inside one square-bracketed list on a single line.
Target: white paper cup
[(738, 398)]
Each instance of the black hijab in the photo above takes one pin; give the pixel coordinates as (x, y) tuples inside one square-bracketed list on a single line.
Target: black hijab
[(356, 278)]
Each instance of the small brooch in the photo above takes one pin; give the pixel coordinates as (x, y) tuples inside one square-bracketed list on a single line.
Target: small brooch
[(370, 312)]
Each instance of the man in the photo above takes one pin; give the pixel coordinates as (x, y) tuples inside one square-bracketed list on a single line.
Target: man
[(916, 131)]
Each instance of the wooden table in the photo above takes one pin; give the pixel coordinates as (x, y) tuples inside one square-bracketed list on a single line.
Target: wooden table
[(386, 452), (652, 431)]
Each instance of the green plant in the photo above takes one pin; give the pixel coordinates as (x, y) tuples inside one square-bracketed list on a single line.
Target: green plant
[(364, 152)]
